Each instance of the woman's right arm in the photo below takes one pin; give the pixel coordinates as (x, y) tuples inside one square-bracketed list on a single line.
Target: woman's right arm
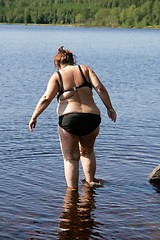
[(103, 94), (45, 100)]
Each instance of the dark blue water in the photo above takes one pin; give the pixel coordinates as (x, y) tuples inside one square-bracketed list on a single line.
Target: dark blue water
[(34, 203)]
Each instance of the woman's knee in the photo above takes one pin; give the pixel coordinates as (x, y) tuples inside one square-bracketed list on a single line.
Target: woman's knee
[(74, 157), (84, 152)]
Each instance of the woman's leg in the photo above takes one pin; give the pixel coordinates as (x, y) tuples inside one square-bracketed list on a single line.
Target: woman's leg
[(87, 155), (71, 156)]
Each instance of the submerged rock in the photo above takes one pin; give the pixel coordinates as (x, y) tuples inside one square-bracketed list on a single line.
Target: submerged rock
[(154, 177)]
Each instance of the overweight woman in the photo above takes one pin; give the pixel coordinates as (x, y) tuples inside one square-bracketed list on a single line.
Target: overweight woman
[(79, 117)]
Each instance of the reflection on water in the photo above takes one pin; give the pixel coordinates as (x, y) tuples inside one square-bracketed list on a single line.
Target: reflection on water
[(77, 218)]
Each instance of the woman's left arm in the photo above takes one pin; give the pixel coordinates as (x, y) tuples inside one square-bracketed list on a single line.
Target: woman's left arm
[(103, 94), (45, 100)]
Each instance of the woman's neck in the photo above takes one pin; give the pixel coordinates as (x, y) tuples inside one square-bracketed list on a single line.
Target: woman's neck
[(65, 65)]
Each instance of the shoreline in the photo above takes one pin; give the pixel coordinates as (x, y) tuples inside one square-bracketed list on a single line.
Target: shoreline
[(79, 25)]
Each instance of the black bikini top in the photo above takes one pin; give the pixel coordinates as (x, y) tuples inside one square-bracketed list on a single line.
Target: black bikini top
[(84, 84)]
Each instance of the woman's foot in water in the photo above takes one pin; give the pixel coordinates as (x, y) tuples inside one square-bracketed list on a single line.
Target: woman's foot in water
[(95, 183)]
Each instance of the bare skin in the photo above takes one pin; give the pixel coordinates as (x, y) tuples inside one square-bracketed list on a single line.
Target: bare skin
[(81, 100)]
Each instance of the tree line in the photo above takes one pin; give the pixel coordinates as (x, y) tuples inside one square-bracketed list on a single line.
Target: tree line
[(106, 13)]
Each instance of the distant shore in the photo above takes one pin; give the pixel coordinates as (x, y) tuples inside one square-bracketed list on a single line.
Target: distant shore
[(80, 25)]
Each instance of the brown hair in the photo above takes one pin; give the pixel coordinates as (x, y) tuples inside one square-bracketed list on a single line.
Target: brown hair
[(64, 57)]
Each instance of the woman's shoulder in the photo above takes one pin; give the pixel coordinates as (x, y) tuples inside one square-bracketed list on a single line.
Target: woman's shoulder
[(85, 67), (54, 77)]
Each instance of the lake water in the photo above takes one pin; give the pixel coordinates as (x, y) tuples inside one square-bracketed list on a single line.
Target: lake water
[(34, 203)]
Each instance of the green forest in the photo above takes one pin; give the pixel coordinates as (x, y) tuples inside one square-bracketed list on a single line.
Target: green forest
[(100, 13)]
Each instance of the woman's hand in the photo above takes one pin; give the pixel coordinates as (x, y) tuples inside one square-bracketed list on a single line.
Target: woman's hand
[(112, 114), (32, 124)]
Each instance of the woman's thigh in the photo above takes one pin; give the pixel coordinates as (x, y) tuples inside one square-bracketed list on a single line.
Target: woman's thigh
[(69, 145), (86, 143)]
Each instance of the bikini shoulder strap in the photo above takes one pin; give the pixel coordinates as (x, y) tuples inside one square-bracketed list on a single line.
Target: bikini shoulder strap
[(82, 73), (61, 82)]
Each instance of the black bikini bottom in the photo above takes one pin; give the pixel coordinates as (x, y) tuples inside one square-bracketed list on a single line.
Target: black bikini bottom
[(80, 124)]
